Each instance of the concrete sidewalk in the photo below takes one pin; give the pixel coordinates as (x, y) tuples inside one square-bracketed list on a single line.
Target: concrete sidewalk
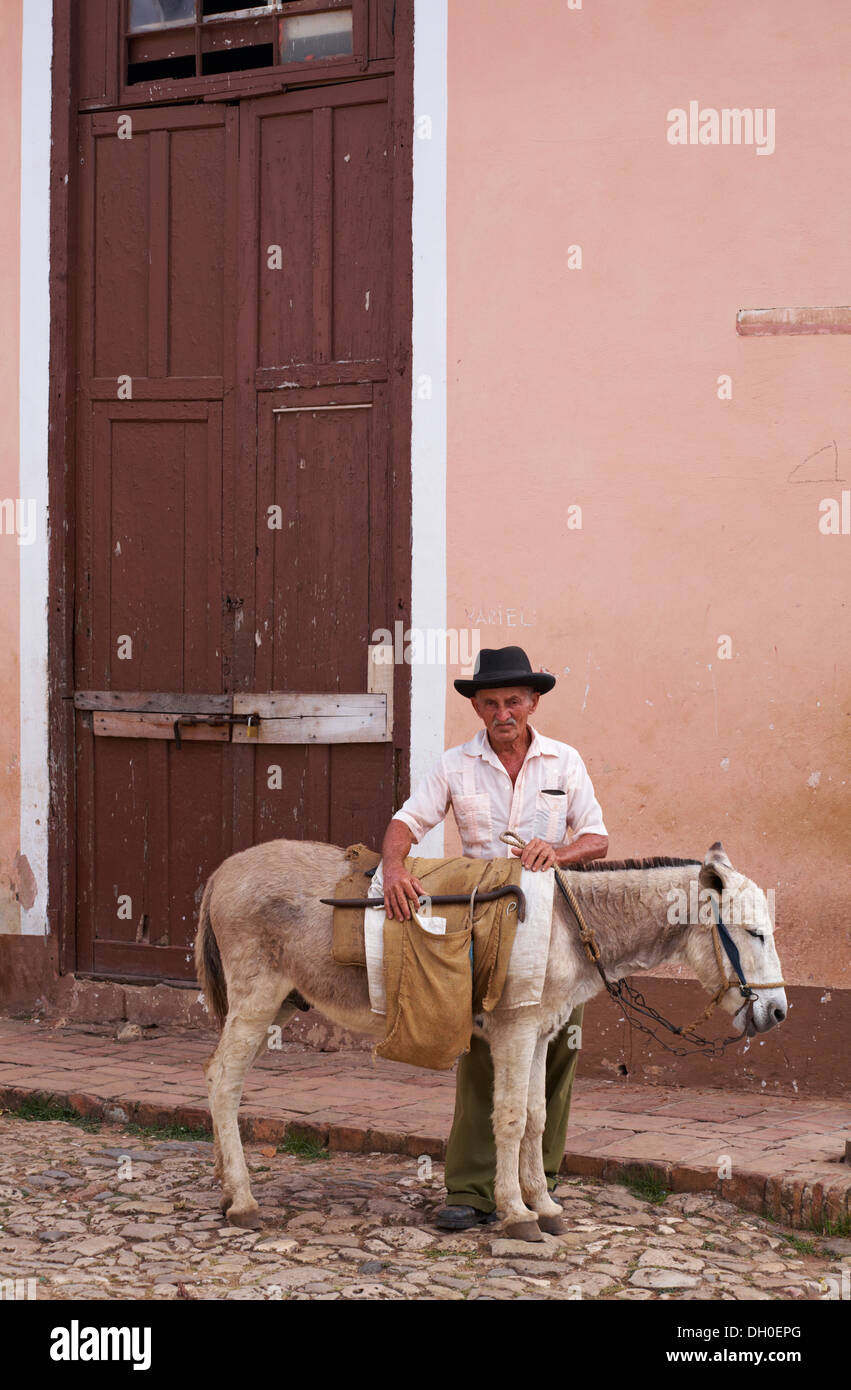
[(780, 1156)]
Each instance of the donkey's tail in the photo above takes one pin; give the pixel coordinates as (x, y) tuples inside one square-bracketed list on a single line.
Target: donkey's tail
[(208, 962)]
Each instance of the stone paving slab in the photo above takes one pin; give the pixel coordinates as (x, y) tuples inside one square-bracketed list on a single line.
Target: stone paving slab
[(775, 1155)]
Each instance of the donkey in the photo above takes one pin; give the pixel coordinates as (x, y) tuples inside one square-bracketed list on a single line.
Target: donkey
[(264, 933)]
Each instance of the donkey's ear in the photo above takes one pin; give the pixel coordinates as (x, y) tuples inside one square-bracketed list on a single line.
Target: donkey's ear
[(716, 867)]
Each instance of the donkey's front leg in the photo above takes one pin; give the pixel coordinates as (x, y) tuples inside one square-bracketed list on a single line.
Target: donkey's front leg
[(533, 1178), (512, 1048)]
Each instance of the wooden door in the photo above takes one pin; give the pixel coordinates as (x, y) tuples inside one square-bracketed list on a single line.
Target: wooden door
[(239, 498)]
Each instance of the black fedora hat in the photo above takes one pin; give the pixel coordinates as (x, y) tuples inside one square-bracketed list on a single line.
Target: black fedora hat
[(504, 666)]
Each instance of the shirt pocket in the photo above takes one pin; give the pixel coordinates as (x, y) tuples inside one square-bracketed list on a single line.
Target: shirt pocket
[(550, 817), (474, 818)]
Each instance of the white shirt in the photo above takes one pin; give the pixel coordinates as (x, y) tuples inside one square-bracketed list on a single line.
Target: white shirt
[(471, 779)]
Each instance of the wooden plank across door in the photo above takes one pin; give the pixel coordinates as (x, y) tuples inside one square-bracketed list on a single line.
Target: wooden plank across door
[(276, 717), (127, 725)]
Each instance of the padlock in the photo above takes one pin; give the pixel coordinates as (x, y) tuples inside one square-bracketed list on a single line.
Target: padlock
[(252, 725)]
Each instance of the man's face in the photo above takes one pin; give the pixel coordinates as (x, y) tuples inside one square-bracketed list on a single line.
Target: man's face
[(505, 712)]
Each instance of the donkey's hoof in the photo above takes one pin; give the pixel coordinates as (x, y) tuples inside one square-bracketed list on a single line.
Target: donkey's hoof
[(248, 1220), (523, 1230), (552, 1225), (225, 1205)]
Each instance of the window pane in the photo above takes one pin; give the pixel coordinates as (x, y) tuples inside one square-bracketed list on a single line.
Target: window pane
[(310, 37), (157, 14), (213, 9)]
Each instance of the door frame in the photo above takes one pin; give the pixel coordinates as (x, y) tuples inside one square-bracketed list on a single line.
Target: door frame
[(62, 811)]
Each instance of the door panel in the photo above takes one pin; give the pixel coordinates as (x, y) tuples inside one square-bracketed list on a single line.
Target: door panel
[(152, 552), (323, 162), (286, 179), (362, 232), (153, 241), (334, 792), (196, 280), (157, 828), (313, 573), (119, 229)]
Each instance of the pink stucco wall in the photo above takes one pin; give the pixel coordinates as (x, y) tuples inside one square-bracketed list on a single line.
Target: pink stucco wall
[(10, 211), (598, 387)]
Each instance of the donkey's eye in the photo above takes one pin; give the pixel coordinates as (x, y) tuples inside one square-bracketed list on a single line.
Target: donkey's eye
[(758, 934)]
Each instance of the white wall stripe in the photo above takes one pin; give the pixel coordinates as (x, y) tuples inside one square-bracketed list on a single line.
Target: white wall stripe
[(36, 59), (428, 441)]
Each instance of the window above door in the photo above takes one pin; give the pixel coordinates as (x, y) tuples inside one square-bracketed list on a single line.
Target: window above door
[(180, 40), (143, 52)]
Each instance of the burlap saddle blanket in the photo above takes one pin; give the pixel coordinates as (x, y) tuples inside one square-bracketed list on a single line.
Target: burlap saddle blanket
[(432, 986)]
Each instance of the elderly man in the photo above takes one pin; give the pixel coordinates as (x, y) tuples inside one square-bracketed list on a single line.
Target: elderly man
[(508, 777)]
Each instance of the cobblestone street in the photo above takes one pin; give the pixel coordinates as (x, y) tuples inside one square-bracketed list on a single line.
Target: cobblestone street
[(102, 1213), (782, 1155)]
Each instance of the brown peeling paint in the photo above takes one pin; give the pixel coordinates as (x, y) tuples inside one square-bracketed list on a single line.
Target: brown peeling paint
[(23, 881)]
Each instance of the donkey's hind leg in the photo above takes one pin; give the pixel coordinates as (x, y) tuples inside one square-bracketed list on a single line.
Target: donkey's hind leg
[(533, 1178), (245, 1033), (285, 1013)]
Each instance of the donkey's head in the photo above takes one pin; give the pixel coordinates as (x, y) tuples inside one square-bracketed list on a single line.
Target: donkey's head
[(745, 938)]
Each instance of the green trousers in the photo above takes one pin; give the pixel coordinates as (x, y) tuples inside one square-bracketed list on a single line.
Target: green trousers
[(471, 1151)]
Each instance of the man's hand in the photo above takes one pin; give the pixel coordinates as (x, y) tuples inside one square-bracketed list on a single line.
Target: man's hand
[(401, 890), (537, 854)]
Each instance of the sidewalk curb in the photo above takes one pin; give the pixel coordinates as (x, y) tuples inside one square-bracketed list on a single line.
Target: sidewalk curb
[(793, 1201)]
